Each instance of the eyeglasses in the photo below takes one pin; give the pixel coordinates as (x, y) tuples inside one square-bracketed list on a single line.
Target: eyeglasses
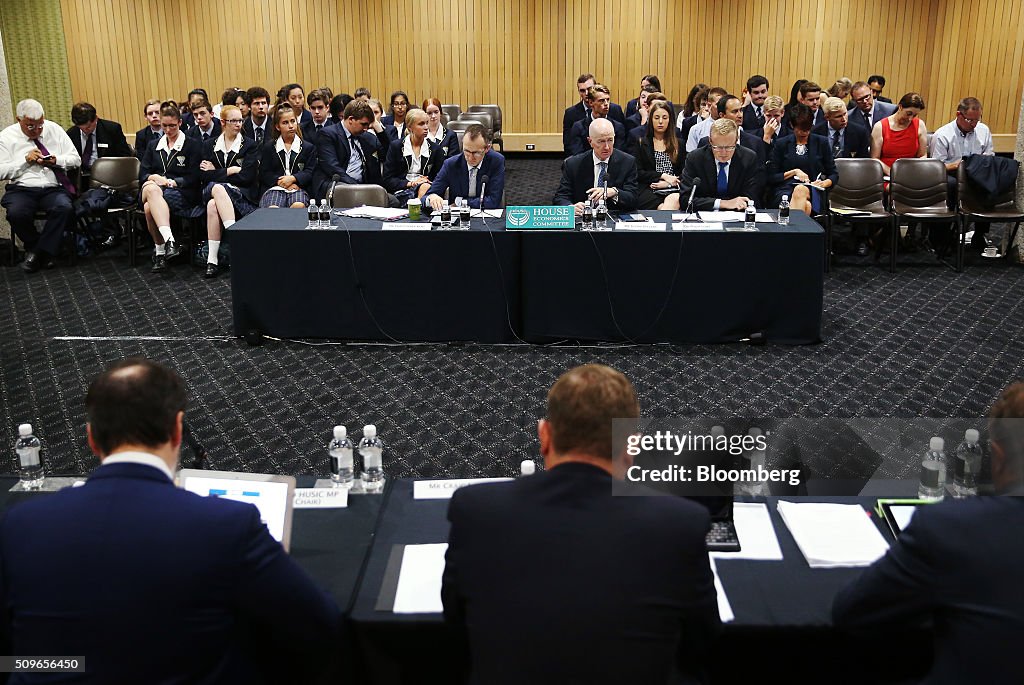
[(34, 127), (475, 153), (863, 98), (969, 120), (723, 148)]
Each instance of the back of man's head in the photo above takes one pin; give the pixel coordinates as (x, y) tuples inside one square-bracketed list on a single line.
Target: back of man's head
[(581, 406), (134, 402)]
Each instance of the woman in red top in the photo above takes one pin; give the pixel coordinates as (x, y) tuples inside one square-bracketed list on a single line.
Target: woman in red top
[(901, 134)]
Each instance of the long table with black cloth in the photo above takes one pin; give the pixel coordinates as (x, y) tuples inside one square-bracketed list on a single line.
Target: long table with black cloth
[(490, 285), (782, 630)]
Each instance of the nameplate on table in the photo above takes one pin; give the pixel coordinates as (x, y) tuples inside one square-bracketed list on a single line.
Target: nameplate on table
[(443, 489), (321, 498), (547, 217), (638, 226), (695, 226), (411, 226)]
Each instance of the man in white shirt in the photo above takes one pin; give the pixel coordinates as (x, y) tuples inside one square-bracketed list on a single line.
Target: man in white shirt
[(962, 137), (702, 129), (35, 156)]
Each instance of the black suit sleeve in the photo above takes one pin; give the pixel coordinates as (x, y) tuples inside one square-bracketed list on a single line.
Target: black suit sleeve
[(753, 180), (395, 168), (567, 123), (704, 198), (119, 146), (628, 190)]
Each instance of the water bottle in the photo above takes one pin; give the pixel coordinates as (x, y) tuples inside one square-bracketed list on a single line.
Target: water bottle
[(465, 213), (967, 465), (340, 450), (325, 215), (371, 449), (30, 463), (933, 472), (752, 460), (446, 215), (527, 467), (750, 218), (784, 211), (588, 216), (601, 215), (314, 215)]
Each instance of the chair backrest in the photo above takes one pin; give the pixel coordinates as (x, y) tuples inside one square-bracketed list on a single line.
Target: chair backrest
[(453, 111), (973, 201), (460, 125), (119, 173), (481, 117), (460, 133), (860, 184), (918, 182), (359, 194), (493, 110), (444, 119)]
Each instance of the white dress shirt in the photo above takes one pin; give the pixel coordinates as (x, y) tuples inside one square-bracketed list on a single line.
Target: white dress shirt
[(14, 145), (950, 144), (700, 130)]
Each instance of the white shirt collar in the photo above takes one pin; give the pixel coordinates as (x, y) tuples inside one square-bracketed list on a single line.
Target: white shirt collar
[(143, 458), (162, 146), (407, 147), (598, 161), (296, 144), (441, 133), (221, 146)]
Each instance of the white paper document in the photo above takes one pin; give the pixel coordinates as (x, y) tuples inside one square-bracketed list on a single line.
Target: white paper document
[(443, 489), (902, 514), (833, 535), (756, 532), (383, 213), (419, 580), (724, 608), (723, 216)]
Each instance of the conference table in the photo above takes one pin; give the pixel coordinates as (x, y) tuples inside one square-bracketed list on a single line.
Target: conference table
[(382, 281)]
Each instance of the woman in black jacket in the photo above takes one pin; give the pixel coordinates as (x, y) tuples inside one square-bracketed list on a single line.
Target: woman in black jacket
[(659, 159), (412, 162)]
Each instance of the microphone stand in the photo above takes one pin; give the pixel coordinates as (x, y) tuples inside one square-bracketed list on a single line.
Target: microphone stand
[(483, 196), (689, 204)]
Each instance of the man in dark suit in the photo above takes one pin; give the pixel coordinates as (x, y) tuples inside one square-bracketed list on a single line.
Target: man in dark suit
[(730, 107), (729, 173), (347, 153), (464, 175), (195, 95), (586, 175), (627, 595), (867, 111), (599, 100), (258, 126), (581, 111), (753, 114), (94, 137), (205, 126), (877, 83), (847, 141), (151, 583), (152, 130), (958, 566), (319, 110), (810, 95), (650, 80)]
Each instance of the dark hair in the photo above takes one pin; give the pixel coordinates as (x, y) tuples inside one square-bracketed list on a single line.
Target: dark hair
[(200, 105), (652, 80), (795, 91), (361, 91), (477, 131), (358, 109), (756, 81), (391, 103), (327, 91), (723, 103), (809, 87), (801, 116), (967, 104), (170, 108), (912, 100), (198, 91), (690, 106), (671, 140), (230, 95), (150, 103), (582, 405), (280, 111), (583, 78), (877, 78), (717, 90), (650, 89), (287, 88), (135, 401), (83, 113), (318, 94), (338, 104), (255, 93)]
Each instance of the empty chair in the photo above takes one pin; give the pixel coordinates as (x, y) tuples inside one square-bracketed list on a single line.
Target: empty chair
[(974, 206), (859, 190), (495, 112), (460, 125), (917, 192), (451, 111), (482, 117), (359, 194)]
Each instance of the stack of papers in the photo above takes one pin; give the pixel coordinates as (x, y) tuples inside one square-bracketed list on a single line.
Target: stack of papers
[(382, 213), (833, 535), (419, 580), (756, 532)]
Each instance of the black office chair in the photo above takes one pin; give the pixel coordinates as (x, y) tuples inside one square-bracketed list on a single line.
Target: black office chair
[(917, 192), (975, 207), (857, 198), (120, 176), (359, 194)]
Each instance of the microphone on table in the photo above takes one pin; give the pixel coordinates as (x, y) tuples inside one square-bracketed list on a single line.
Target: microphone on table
[(334, 183), (689, 203), (483, 196)]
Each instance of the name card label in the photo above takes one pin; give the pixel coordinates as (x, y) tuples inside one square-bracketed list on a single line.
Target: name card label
[(540, 217), (639, 226), (321, 498), (418, 226), (443, 489), (694, 226)]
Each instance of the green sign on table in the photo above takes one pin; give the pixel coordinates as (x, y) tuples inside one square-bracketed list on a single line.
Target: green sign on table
[(543, 217)]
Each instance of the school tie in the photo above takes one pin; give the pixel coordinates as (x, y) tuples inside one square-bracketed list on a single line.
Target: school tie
[(206, 136), (723, 181), (319, 127), (259, 134), (836, 147), (759, 113), (62, 178)]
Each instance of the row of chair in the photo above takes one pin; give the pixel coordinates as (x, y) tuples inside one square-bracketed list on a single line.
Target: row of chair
[(489, 116), (916, 195)]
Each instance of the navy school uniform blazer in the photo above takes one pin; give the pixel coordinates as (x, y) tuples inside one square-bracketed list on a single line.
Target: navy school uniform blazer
[(578, 112), (182, 166), (449, 144), (247, 157), (303, 168), (454, 177), (333, 155), (194, 132), (581, 131), (143, 137), (396, 165)]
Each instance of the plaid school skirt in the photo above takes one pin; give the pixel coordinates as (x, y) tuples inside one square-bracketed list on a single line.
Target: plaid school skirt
[(238, 199), (277, 197)]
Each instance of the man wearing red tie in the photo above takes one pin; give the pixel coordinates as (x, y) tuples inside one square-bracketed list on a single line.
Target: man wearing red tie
[(35, 156)]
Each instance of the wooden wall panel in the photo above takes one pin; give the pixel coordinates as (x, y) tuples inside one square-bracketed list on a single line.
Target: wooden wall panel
[(525, 54)]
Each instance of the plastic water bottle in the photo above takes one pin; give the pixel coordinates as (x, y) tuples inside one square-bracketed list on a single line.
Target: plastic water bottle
[(371, 450), (967, 465), (527, 467), (601, 215), (784, 211), (446, 215), (752, 460), (750, 218), (465, 213), (933, 472), (30, 461), (325, 215), (314, 215), (588, 216), (340, 450)]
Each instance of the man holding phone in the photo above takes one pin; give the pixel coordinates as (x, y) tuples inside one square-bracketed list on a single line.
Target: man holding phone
[(35, 156)]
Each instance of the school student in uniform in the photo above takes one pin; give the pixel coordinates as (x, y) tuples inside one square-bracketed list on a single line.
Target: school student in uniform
[(397, 112), (412, 163), (437, 134), (229, 173), (286, 163), (151, 131), (169, 173), (385, 133), (295, 96)]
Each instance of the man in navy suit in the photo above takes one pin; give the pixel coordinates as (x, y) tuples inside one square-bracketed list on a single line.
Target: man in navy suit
[(627, 593), (347, 153), (586, 176), (754, 114), (463, 175), (206, 127), (730, 107), (866, 111), (319, 110), (599, 101), (729, 174), (148, 582), (152, 130), (958, 565), (257, 126), (581, 111), (847, 141)]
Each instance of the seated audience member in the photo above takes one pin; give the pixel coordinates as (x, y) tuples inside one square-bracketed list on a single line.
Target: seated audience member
[(633, 106), (233, 96), (206, 127), (877, 82), (845, 141), (754, 113), (809, 94), (397, 111), (348, 153), (295, 96), (731, 107), (729, 173), (319, 110), (287, 165), (702, 112), (599, 100), (901, 134), (229, 173), (437, 135), (337, 106), (194, 96), (35, 158), (629, 596), (638, 119), (866, 111), (702, 127), (362, 93), (386, 134), (659, 160), (94, 138), (169, 174), (957, 567), (586, 176), (463, 176), (258, 126), (840, 89), (962, 137), (167, 586), (581, 110), (794, 93), (151, 131), (412, 163), (691, 108), (775, 125), (328, 93), (801, 158)]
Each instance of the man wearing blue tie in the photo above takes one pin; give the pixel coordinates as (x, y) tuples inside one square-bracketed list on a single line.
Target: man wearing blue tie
[(726, 174), (601, 172), (463, 175)]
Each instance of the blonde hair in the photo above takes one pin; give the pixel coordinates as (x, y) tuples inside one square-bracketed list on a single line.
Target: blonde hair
[(724, 127), (413, 115), (833, 104), (773, 102)]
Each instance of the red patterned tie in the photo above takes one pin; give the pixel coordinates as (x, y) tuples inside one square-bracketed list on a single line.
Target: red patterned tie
[(62, 178)]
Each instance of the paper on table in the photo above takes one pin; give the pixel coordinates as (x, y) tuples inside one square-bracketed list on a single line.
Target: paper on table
[(724, 608), (833, 535), (756, 532), (902, 513), (725, 215), (384, 213), (638, 226), (419, 580), (763, 218)]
